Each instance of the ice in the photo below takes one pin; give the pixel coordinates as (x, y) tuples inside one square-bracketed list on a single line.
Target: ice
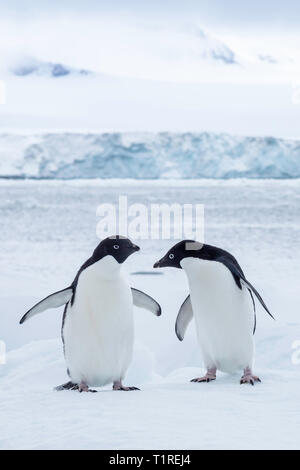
[(47, 231), (147, 156)]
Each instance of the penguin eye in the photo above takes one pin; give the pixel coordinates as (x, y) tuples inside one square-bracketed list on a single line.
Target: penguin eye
[(116, 247), (171, 256)]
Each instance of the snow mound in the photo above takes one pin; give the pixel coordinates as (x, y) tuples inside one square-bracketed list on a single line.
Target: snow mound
[(147, 156)]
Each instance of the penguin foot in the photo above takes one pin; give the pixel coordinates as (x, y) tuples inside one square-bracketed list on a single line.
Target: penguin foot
[(83, 387), (208, 377), (66, 386), (126, 389), (118, 386), (249, 378), (72, 386), (205, 378)]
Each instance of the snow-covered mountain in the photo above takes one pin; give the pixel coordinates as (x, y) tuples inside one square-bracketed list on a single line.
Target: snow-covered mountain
[(30, 66), (213, 49), (148, 155)]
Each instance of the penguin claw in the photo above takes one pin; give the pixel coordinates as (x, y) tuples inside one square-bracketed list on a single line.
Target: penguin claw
[(249, 379), (203, 379), (88, 391), (125, 389), (128, 389), (66, 386)]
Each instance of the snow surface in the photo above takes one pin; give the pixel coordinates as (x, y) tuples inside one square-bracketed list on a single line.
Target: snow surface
[(48, 230), (147, 155), (167, 413)]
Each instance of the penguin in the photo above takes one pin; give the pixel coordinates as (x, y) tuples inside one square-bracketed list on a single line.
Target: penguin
[(97, 327), (222, 302)]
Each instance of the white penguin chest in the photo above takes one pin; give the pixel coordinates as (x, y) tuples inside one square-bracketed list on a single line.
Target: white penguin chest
[(98, 330), (223, 314)]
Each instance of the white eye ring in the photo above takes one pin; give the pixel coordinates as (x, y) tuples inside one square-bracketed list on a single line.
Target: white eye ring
[(171, 256), (116, 247)]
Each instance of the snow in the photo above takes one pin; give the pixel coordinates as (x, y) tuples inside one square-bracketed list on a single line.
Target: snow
[(147, 155), (26, 66), (48, 230), (169, 413), (164, 50)]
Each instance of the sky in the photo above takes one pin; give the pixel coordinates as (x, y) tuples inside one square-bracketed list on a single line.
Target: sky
[(273, 13), (171, 42)]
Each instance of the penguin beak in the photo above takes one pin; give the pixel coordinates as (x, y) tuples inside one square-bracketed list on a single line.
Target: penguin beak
[(165, 262), (135, 248), (157, 264)]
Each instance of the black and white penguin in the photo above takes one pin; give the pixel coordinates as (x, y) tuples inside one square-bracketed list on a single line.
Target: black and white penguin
[(221, 301), (98, 329)]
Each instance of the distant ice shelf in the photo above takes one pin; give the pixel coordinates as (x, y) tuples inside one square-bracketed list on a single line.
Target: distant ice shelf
[(147, 156)]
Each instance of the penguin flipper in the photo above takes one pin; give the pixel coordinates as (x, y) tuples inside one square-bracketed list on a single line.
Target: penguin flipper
[(257, 295), (52, 301), (142, 300), (238, 273), (184, 318)]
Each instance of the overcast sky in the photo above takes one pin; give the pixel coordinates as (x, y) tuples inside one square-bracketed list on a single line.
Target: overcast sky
[(236, 13)]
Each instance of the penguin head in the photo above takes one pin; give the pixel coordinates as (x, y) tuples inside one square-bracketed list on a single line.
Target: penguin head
[(183, 249), (120, 248)]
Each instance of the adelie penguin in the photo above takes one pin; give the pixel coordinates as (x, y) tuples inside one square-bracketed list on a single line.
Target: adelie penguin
[(97, 328), (222, 302)]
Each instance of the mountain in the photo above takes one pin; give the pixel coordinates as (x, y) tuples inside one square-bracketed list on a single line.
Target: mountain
[(31, 66), (213, 49)]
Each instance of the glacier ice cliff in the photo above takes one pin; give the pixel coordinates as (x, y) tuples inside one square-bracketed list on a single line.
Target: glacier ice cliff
[(147, 156)]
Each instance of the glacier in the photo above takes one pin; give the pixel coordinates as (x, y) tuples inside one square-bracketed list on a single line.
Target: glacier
[(165, 155)]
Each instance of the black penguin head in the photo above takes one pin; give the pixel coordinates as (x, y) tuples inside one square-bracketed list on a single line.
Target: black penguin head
[(116, 246), (183, 249)]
